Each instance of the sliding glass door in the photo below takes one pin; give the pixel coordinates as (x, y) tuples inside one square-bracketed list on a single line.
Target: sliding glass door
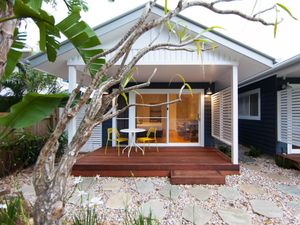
[(176, 124), (184, 119), (152, 117)]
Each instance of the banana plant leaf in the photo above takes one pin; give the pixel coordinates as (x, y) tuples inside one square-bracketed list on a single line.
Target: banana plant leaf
[(84, 39), (33, 108), (15, 53)]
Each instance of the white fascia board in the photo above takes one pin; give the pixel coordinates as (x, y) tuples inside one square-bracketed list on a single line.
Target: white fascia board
[(197, 28)]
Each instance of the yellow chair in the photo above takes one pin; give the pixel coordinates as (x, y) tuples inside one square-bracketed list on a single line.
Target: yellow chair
[(119, 139), (149, 139)]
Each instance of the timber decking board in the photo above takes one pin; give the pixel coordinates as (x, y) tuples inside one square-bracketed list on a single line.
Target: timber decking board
[(153, 163), (293, 157)]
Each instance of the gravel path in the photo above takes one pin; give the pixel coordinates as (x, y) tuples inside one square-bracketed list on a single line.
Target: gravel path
[(262, 175)]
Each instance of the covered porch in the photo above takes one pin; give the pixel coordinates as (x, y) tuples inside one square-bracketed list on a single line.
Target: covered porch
[(184, 165)]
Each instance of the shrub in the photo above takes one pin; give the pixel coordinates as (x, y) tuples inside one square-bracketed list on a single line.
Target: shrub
[(225, 149), (19, 150), (254, 152)]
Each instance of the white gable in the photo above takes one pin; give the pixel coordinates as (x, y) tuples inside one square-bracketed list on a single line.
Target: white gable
[(215, 66)]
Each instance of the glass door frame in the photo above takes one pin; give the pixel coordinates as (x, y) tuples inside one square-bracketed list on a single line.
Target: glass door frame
[(132, 114)]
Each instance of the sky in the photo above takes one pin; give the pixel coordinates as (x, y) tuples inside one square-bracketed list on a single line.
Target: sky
[(285, 45)]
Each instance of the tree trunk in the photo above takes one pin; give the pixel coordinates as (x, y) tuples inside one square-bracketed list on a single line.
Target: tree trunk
[(48, 208), (6, 34), (50, 187)]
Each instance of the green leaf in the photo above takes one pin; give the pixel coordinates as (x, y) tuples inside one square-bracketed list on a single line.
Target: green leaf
[(166, 7), (189, 87), (275, 26), (125, 97), (3, 6), (43, 35), (128, 77), (287, 10), (83, 38), (211, 28), (14, 54), (35, 4), (45, 22), (33, 108), (198, 46)]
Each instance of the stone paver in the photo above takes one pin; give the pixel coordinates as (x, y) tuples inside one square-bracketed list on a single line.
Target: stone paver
[(253, 167), (170, 191), (277, 177), (234, 216), (290, 189), (28, 192), (200, 193), (82, 196), (87, 183), (295, 206), (112, 186), (196, 215), (266, 208), (118, 201), (230, 193), (143, 187), (251, 189), (155, 207)]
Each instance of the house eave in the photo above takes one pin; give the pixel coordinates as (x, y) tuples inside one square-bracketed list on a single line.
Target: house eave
[(294, 61)]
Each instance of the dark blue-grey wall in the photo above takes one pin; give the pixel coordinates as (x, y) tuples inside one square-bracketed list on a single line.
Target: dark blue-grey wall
[(207, 106), (262, 133)]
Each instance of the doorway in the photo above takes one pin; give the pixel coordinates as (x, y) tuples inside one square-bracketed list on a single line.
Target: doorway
[(178, 124)]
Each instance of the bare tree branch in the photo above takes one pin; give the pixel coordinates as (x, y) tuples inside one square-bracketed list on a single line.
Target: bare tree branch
[(220, 1), (226, 12), (118, 112), (263, 11), (142, 19)]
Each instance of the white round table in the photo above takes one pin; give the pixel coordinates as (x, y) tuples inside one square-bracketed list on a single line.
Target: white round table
[(132, 136)]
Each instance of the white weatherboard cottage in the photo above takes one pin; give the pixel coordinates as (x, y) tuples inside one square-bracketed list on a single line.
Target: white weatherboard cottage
[(220, 70)]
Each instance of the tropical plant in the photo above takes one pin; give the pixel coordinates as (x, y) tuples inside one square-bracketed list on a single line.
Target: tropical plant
[(50, 181), (30, 80), (12, 212), (254, 152)]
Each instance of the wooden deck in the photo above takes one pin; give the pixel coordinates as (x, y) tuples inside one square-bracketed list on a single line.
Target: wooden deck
[(288, 161), (162, 163)]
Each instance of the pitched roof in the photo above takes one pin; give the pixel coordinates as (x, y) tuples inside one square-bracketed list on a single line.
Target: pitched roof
[(66, 45)]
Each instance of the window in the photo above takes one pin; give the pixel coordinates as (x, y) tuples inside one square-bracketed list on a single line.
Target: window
[(249, 105)]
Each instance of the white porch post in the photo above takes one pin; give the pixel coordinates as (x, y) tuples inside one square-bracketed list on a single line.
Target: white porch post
[(131, 115), (72, 86), (235, 119)]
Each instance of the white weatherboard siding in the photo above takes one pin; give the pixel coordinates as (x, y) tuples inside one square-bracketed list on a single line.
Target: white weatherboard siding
[(95, 141), (289, 116)]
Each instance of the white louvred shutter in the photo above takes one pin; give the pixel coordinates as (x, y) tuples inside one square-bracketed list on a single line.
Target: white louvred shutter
[(222, 116), (95, 140), (289, 116), (296, 117), (215, 117), (226, 115)]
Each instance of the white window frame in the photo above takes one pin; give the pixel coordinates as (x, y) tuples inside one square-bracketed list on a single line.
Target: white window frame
[(248, 93)]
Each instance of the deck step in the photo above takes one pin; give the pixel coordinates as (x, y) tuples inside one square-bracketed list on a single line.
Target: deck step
[(196, 177)]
